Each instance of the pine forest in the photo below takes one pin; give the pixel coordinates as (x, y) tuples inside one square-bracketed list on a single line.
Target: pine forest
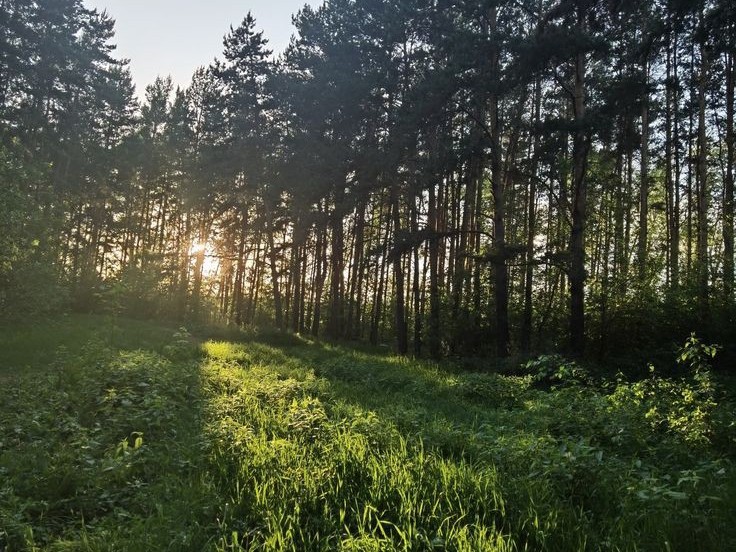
[(441, 275)]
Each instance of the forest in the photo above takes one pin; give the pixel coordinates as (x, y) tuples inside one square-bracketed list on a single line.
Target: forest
[(468, 178), (461, 271)]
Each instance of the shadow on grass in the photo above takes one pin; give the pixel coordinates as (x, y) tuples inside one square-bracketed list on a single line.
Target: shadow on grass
[(101, 439), (35, 344)]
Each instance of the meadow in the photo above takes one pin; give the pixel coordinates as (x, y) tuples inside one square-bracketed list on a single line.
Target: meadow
[(129, 436)]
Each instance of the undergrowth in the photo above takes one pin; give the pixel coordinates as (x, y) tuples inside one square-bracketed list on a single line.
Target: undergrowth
[(304, 446)]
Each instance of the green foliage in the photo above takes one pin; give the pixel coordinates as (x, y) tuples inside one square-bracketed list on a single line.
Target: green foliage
[(302, 446), (29, 278), (493, 389), (682, 407), (555, 370), (33, 290), (102, 442), (138, 289), (182, 347), (696, 355)]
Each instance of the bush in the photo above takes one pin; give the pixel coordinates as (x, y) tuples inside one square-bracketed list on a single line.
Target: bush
[(182, 347), (555, 370), (32, 289)]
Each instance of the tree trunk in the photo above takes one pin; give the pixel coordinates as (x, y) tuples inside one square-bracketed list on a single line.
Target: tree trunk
[(199, 264), (671, 188), (675, 236), (644, 189), (320, 262), (335, 322), (500, 268), (400, 312), (297, 303), (416, 289), (273, 261), (237, 314), (356, 276), (579, 205), (728, 229), (702, 191), (526, 326), (435, 347)]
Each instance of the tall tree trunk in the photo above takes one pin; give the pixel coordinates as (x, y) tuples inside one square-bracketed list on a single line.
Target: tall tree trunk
[(356, 276), (238, 312), (579, 205), (320, 262), (199, 264), (416, 289), (526, 325), (256, 280), (690, 172), (477, 264), (671, 188), (297, 303), (703, 193), (273, 261), (606, 278), (500, 268), (337, 262), (185, 238), (461, 279), (378, 302), (728, 219), (402, 343), (303, 306), (675, 236), (644, 188), (435, 346)]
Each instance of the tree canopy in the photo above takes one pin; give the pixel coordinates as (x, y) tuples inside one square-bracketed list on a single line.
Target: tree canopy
[(457, 178)]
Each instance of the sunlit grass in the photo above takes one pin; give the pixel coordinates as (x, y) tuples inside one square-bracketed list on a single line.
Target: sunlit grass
[(224, 350), (304, 446)]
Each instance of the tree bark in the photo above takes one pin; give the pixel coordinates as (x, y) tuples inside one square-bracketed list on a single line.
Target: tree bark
[(402, 344), (273, 261), (644, 188), (416, 288), (435, 345), (526, 325), (500, 268), (335, 323), (356, 277), (703, 194), (728, 218), (579, 205)]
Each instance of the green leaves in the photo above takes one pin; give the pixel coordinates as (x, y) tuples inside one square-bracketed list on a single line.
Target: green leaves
[(90, 451), (302, 446), (696, 355)]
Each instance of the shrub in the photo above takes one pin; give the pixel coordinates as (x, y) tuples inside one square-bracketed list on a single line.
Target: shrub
[(555, 370)]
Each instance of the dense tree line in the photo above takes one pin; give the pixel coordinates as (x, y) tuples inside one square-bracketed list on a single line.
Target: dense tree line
[(454, 176)]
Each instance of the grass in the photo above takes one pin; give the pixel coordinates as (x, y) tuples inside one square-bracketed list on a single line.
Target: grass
[(34, 346), (148, 442)]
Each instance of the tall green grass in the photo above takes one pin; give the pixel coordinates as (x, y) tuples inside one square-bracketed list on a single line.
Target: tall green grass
[(298, 446)]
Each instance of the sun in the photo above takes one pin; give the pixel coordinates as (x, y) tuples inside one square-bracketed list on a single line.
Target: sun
[(197, 247), (210, 262)]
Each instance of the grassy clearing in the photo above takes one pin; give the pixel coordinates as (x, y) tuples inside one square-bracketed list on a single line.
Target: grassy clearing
[(301, 446)]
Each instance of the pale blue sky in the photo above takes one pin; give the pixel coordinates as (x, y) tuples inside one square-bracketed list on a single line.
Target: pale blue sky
[(174, 37)]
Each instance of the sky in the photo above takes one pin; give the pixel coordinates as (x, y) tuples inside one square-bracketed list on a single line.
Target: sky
[(174, 37)]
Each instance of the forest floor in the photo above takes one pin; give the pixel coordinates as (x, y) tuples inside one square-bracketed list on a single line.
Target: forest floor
[(123, 435)]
